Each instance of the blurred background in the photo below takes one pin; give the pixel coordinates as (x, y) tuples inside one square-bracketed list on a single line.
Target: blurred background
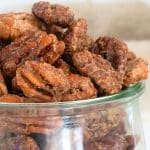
[(128, 20)]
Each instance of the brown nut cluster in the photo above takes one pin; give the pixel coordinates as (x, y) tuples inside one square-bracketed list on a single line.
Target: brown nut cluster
[(49, 84), (46, 57), (32, 46), (14, 25)]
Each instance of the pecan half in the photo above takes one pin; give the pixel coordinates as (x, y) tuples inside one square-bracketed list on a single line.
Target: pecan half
[(136, 70), (13, 25), (53, 13), (76, 38), (114, 50), (99, 70)]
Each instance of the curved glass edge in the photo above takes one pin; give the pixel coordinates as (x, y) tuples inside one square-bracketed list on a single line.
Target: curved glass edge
[(126, 96)]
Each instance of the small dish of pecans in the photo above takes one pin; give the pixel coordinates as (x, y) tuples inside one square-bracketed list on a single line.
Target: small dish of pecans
[(60, 89)]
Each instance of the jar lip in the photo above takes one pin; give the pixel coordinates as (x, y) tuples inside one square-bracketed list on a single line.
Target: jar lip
[(126, 95)]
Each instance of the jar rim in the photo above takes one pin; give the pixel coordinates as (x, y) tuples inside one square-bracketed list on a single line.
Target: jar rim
[(125, 96)]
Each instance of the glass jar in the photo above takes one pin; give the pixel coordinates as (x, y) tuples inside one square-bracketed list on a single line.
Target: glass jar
[(106, 123)]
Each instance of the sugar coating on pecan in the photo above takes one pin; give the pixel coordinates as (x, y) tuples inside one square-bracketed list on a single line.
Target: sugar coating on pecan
[(41, 80), (3, 87), (32, 46), (99, 70), (13, 25), (114, 50), (19, 142), (80, 88), (136, 70), (53, 13), (47, 83), (76, 38)]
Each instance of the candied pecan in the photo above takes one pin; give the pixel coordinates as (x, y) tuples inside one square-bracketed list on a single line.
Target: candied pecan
[(3, 88), (76, 38), (47, 83), (41, 80), (99, 70), (98, 124), (61, 64), (27, 121), (52, 53), (13, 25), (53, 13), (136, 70), (10, 98), (33, 46), (80, 88), (18, 142), (114, 51)]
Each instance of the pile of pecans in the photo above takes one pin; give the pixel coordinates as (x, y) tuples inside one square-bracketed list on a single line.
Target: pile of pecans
[(47, 56)]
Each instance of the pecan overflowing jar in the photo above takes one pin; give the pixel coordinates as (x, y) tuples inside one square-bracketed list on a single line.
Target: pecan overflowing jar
[(62, 90)]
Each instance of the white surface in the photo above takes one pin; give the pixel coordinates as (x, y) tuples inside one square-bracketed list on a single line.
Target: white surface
[(142, 48)]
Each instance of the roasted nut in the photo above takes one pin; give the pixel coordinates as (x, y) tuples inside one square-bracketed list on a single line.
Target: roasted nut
[(99, 70), (80, 88), (76, 38), (11, 99), (47, 83), (53, 14), (33, 46), (114, 51), (136, 70), (27, 121), (13, 25), (3, 88), (18, 142), (61, 64), (41, 80), (53, 52)]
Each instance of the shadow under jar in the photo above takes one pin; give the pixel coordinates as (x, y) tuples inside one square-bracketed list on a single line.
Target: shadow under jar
[(106, 123)]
